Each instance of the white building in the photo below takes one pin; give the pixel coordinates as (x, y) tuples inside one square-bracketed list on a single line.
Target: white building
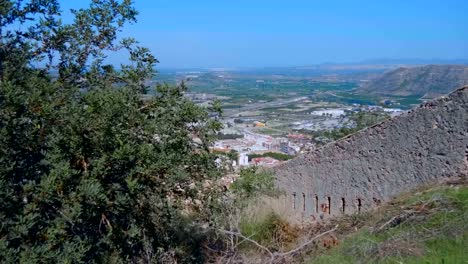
[(332, 112), (243, 159)]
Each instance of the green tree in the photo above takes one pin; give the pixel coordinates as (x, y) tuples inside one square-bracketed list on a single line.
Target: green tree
[(91, 171)]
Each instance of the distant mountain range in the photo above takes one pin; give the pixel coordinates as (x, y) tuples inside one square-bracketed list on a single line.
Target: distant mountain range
[(414, 61), (370, 64), (382, 77), (425, 81)]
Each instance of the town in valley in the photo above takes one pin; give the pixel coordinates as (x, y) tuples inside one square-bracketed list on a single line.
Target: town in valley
[(273, 115)]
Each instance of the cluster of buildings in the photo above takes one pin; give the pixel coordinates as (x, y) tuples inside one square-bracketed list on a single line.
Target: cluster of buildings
[(254, 143), (265, 161), (329, 119), (247, 142), (322, 123), (377, 108), (257, 143)]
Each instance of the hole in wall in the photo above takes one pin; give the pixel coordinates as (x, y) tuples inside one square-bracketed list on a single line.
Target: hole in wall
[(316, 204), (359, 205), (294, 200), (376, 201), (466, 154), (343, 205), (303, 202), (329, 204)]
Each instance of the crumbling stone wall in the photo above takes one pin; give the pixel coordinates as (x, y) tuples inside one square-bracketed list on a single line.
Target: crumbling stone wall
[(424, 145)]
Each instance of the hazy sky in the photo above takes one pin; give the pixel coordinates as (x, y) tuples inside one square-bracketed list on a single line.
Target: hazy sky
[(259, 33)]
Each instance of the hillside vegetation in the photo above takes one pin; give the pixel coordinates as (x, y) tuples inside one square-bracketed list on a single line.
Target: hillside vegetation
[(96, 166), (427, 225), (422, 227), (92, 171), (427, 81)]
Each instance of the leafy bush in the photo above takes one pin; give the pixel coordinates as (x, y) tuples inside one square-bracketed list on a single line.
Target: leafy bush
[(90, 171)]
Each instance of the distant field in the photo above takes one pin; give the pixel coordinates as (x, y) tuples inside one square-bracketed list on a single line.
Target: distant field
[(269, 131), (240, 90)]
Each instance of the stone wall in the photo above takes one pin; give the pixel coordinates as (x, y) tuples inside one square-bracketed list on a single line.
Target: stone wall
[(424, 145)]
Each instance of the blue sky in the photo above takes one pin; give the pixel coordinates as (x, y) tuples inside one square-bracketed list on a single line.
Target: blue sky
[(261, 33)]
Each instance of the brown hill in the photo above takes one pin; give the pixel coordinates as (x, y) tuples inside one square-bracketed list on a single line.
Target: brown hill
[(426, 81)]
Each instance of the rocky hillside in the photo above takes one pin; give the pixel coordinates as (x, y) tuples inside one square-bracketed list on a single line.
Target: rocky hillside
[(425, 81)]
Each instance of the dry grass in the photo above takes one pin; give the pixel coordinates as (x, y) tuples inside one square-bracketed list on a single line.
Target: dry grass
[(266, 220), (265, 205), (428, 225)]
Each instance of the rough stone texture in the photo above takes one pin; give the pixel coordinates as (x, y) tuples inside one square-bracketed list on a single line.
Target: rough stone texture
[(424, 145)]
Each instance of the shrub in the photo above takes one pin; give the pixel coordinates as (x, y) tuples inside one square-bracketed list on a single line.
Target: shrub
[(90, 171), (270, 230)]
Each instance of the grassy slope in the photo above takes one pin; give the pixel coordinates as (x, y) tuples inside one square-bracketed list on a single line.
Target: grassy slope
[(430, 226)]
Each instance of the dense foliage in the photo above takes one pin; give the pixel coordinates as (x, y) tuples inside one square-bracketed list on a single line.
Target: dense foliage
[(90, 170)]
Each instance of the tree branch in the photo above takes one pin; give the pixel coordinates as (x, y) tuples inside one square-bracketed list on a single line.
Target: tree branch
[(247, 239), (274, 255)]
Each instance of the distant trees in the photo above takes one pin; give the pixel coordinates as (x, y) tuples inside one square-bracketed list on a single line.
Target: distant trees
[(89, 170), (361, 121), (275, 155), (222, 136), (238, 121), (367, 119)]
